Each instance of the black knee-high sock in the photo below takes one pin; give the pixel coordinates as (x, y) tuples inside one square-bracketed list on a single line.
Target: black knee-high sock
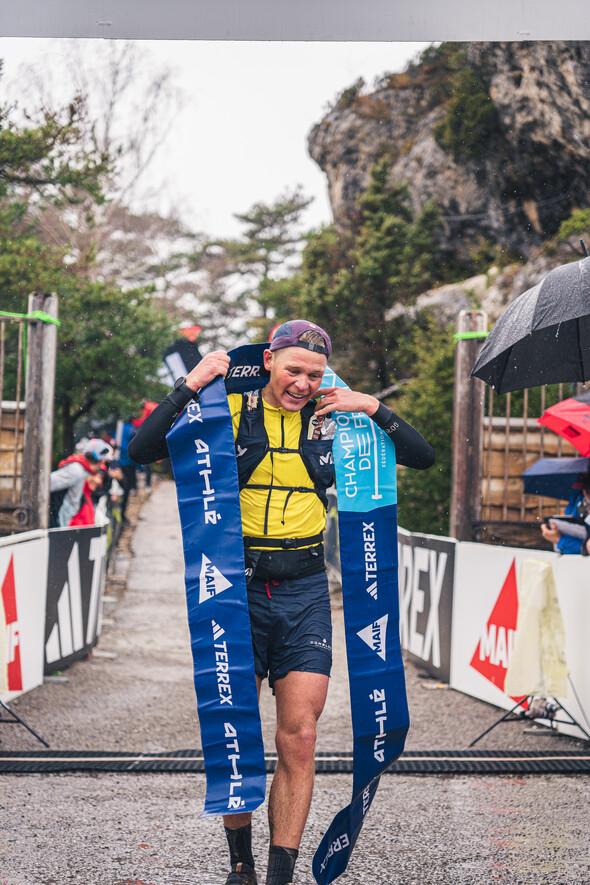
[(240, 845), (281, 863)]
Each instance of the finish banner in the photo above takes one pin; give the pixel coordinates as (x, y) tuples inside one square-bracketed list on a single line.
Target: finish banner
[(202, 452), (364, 457)]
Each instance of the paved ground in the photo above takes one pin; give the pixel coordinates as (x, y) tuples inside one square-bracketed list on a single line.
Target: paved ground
[(136, 694)]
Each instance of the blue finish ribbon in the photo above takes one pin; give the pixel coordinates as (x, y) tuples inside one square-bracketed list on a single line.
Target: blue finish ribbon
[(367, 521), (201, 446)]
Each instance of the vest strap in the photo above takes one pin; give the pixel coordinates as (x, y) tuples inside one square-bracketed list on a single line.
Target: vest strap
[(284, 543), (260, 485)]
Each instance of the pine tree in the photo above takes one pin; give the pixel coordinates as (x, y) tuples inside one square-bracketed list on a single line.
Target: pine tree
[(268, 251), (353, 281), (427, 403)]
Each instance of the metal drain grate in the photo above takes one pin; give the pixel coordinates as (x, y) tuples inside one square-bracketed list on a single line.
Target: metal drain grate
[(410, 762)]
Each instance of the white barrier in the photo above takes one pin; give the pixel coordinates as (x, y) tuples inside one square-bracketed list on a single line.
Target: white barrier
[(51, 588), (485, 608), (23, 592)]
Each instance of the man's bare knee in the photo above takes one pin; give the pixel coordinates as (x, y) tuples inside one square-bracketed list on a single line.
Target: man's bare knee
[(296, 748)]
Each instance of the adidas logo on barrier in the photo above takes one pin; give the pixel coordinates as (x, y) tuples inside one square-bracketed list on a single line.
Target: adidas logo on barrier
[(375, 634), (211, 581)]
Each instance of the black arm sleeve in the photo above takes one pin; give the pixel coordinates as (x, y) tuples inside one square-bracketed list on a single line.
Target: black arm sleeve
[(411, 449), (149, 443)]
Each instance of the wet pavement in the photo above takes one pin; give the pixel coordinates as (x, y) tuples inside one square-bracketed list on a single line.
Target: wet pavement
[(136, 694)]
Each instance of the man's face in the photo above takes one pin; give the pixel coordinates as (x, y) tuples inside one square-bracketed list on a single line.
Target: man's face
[(295, 377)]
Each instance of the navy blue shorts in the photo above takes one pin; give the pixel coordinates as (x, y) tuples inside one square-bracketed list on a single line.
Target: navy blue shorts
[(291, 627)]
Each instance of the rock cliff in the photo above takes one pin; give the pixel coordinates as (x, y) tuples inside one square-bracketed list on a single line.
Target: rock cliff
[(496, 134)]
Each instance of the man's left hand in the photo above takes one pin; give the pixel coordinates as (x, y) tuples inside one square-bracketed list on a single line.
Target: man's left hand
[(341, 399)]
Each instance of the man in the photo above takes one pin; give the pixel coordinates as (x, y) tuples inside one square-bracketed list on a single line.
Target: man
[(66, 484), (283, 446)]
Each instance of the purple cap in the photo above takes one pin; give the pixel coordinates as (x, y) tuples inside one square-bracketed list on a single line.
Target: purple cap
[(288, 335)]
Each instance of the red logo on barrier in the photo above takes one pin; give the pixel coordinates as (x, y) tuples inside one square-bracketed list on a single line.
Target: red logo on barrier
[(495, 645), (13, 669)]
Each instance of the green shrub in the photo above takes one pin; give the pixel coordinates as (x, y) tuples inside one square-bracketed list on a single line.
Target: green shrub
[(347, 97), (427, 403), (575, 228), (470, 117)]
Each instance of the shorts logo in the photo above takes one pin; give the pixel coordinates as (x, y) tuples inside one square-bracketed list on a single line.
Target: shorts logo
[(211, 581), (324, 644), (375, 635)]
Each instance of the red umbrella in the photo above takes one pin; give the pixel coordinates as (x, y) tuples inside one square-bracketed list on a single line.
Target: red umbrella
[(571, 420)]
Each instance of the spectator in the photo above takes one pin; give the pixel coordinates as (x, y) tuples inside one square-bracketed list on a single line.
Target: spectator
[(570, 533), (86, 513), (128, 467), (66, 484), (108, 496)]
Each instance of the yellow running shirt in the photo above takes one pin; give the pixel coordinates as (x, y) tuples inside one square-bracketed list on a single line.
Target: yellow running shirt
[(304, 515)]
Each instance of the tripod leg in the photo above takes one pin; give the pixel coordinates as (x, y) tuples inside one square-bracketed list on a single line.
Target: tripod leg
[(497, 722), (22, 722), (571, 682), (573, 721)]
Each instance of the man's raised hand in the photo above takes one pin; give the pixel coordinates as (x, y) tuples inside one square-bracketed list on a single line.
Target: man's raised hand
[(213, 364)]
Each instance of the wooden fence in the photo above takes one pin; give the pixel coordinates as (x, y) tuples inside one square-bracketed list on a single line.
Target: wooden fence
[(27, 377), (495, 439)]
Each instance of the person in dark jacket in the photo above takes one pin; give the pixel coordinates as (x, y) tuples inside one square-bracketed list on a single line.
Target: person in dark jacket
[(283, 505)]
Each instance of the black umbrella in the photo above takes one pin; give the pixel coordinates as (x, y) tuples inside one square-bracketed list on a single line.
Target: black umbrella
[(543, 337)]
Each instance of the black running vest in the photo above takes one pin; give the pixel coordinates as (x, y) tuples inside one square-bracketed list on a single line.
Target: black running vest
[(252, 445)]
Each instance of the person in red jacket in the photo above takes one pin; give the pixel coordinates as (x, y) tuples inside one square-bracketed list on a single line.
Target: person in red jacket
[(85, 515), (67, 482)]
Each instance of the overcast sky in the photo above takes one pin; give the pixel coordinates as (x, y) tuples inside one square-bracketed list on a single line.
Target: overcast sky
[(242, 134)]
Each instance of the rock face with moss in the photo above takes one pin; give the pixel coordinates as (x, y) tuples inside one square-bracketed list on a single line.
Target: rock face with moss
[(496, 134)]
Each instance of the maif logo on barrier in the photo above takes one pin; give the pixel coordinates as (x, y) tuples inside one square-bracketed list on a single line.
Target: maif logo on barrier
[(492, 654)]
